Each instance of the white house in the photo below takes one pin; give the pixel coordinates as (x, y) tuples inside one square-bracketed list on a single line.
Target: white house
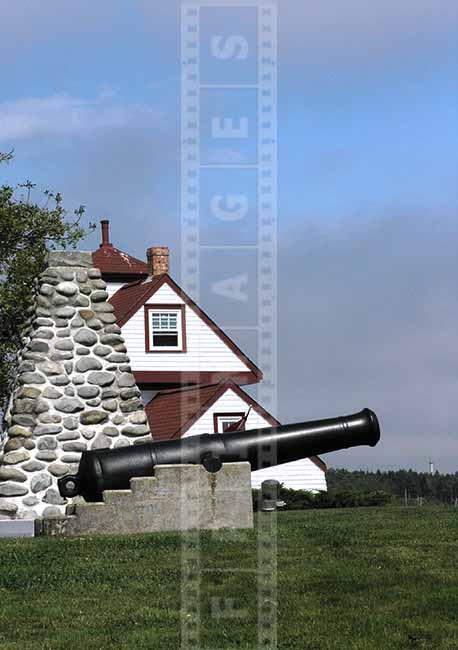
[(189, 371)]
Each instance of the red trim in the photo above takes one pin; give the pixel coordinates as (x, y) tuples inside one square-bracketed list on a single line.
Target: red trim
[(155, 285), (151, 378), (225, 415), (319, 462), (152, 307)]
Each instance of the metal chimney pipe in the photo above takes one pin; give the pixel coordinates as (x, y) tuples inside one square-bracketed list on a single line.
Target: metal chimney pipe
[(105, 232)]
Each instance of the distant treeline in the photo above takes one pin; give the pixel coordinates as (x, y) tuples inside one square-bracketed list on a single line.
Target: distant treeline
[(302, 500), (358, 489), (436, 488)]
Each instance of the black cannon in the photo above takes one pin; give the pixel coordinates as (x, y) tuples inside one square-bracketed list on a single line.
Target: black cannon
[(112, 469)]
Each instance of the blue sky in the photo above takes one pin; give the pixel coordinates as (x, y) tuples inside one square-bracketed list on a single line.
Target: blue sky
[(367, 180)]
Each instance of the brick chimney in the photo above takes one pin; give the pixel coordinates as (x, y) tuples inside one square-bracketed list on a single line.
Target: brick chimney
[(158, 259), (105, 234)]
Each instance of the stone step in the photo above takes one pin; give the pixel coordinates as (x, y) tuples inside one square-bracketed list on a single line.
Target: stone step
[(179, 497), (117, 497)]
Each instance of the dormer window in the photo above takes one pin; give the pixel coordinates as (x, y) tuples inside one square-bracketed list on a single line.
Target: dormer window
[(165, 328)]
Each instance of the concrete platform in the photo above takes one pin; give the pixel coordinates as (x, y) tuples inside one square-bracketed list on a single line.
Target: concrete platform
[(17, 528), (177, 497)]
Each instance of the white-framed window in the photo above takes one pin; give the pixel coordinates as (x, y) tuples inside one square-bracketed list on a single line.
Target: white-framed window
[(222, 421), (165, 328)]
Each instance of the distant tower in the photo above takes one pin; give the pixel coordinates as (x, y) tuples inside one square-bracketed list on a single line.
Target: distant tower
[(431, 466)]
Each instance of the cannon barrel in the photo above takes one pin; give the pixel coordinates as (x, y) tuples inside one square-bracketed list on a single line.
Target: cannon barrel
[(112, 469)]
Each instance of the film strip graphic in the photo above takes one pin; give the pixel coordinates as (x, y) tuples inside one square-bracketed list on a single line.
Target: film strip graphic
[(229, 229)]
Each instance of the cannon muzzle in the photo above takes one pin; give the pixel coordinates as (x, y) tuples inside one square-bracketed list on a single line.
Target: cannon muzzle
[(112, 469)]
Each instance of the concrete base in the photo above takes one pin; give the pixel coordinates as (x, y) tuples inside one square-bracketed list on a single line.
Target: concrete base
[(177, 497), (17, 528)]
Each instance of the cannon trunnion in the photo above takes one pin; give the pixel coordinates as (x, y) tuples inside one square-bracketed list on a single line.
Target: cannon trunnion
[(106, 469)]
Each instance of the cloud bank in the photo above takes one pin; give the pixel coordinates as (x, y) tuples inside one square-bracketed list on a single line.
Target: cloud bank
[(61, 115), (372, 308)]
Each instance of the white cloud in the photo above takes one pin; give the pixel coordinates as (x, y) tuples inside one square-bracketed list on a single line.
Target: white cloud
[(66, 115)]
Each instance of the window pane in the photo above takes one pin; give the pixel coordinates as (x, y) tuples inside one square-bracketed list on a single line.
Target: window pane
[(164, 321), (165, 340), (226, 422)]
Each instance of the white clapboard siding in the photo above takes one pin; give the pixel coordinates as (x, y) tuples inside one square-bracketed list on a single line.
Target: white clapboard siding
[(298, 475), (112, 287), (205, 350)]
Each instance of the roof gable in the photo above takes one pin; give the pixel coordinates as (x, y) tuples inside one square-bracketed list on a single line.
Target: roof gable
[(173, 412), (129, 299)]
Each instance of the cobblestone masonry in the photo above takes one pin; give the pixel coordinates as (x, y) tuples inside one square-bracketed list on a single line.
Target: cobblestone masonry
[(75, 388)]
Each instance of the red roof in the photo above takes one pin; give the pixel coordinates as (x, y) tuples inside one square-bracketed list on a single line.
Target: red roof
[(112, 261), (109, 260), (172, 412), (129, 299)]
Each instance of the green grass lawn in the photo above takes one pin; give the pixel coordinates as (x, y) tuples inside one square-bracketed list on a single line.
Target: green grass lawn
[(373, 578)]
